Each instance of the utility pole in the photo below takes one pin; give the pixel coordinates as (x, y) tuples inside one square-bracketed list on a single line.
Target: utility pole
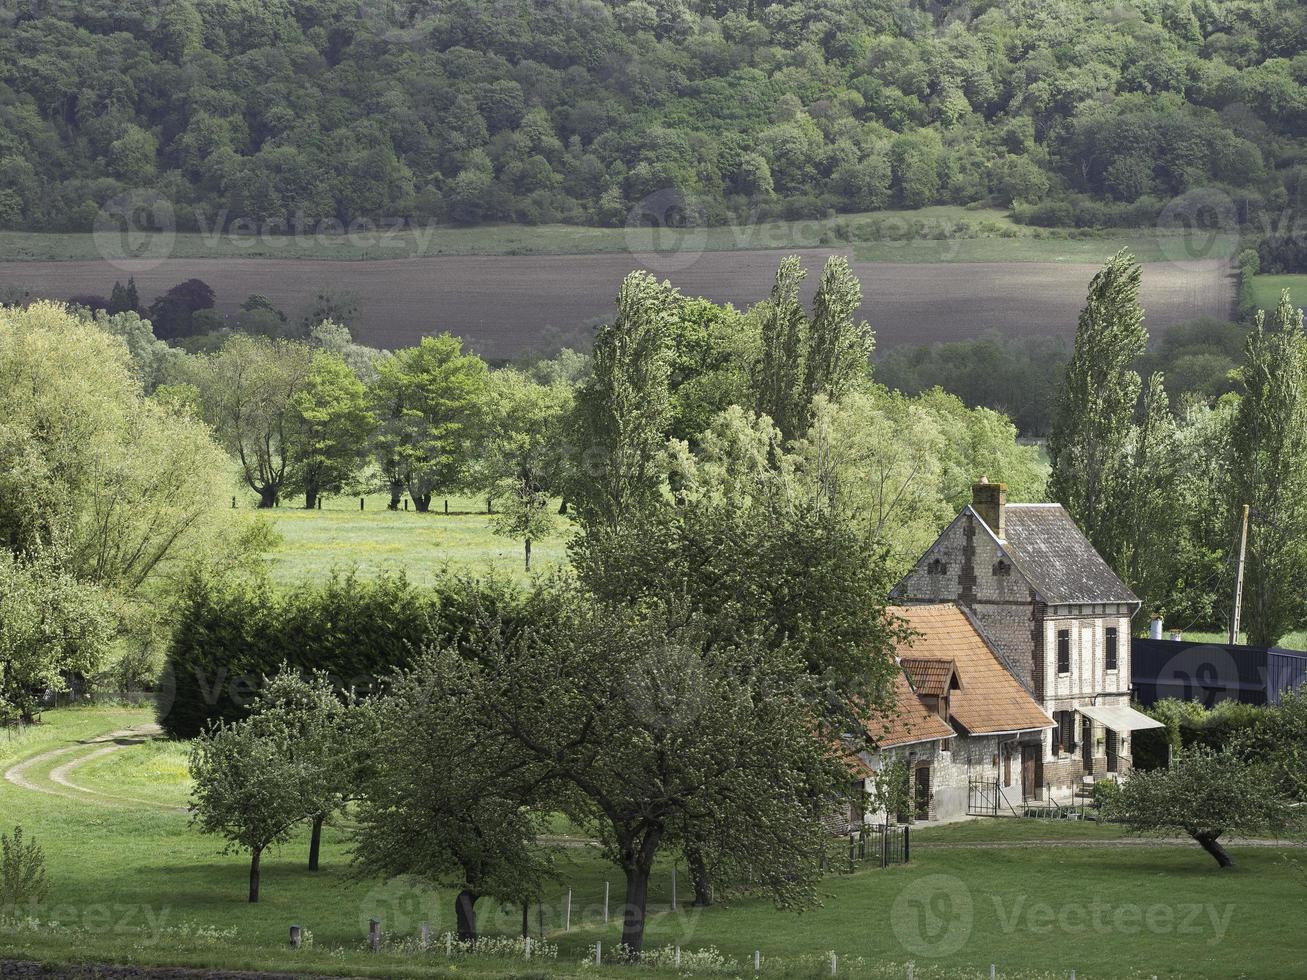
[(1238, 578)]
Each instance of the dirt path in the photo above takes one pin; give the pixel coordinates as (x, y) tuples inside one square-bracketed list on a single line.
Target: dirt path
[(1120, 842), (108, 743)]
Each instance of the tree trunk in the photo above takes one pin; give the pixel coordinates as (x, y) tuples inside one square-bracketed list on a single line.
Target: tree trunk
[(490, 505), (633, 913), (1213, 847), (254, 873), (396, 495), (528, 554), (466, 913), (315, 842), (421, 502), (310, 498), (699, 876), (267, 497)]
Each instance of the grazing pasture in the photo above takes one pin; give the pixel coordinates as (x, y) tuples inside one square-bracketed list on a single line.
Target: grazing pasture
[(340, 536), (132, 881), (504, 305)]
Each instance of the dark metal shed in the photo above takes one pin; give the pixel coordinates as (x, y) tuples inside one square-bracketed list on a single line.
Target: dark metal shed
[(1212, 672)]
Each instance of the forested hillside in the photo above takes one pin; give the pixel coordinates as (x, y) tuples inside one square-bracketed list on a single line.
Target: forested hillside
[(297, 112)]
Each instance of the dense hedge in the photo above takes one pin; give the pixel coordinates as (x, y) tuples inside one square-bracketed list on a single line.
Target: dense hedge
[(232, 634)]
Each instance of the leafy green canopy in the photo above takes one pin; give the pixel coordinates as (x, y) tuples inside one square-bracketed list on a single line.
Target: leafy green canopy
[(330, 110)]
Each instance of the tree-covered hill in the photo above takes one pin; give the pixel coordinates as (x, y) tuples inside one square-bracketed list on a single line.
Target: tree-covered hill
[(302, 111)]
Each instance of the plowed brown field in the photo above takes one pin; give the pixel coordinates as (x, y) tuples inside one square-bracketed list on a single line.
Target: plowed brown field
[(506, 304)]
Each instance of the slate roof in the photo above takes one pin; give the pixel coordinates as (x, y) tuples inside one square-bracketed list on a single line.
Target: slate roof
[(990, 700), (1057, 559), (912, 721), (930, 677)]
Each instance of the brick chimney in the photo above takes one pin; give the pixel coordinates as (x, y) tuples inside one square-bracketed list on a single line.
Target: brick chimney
[(989, 500)]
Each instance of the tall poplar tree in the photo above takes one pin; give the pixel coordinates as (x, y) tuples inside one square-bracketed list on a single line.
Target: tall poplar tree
[(1268, 471), (839, 347), (779, 382), (1093, 428), (624, 410)]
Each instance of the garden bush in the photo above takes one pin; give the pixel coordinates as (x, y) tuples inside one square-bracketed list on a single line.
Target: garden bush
[(234, 632)]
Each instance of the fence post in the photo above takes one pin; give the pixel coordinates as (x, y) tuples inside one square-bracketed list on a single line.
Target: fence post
[(991, 971), (296, 937), (567, 919), (360, 503), (233, 503), (528, 947), (678, 959), (599, 956), (374, 934), (851, 853), (907, 840), (757, 961), (449, 944), (606, 903), (884, 847), (673, 888), (833, 963), (424, 934)]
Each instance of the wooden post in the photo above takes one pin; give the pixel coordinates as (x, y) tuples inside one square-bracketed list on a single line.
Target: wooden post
[(296, 937), (678, 957), (406, 503), (1238, 580), (319, 503), (446, 505), (360, 503), (833, 963), (424, 932), (907, 841), (599, 954), (526, 921), (528, 947), (233, 503), (992, 971), (757, 961), (374, 934), (606, 903), (449, 944), (567, 917)]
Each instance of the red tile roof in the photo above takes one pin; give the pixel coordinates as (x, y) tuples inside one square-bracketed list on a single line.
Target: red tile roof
[(990, 700), (930, 677), (911, 722)]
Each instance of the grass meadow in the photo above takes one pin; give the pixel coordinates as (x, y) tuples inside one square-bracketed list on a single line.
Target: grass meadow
[(340, 536), (942, 233), (1267, 289), (132, 881)]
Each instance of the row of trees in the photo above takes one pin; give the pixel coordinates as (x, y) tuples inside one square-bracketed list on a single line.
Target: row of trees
[(324, 111), (1160, 494), (690, 686)]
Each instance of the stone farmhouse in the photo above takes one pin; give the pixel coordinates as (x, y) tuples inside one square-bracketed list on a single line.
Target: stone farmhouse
[(1016, 689)]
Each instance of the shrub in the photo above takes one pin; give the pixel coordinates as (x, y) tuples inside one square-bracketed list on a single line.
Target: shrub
[(233, 633), (22, 871)]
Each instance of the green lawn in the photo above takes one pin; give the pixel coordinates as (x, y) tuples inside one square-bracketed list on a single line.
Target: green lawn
[(374, 539), (944, 233), (132, 881), (1267, 289)]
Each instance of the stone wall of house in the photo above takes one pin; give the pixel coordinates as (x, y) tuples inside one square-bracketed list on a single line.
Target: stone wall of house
[(966, 565)]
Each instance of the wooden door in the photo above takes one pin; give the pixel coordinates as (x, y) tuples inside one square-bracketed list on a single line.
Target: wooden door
[(1028, 758)]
